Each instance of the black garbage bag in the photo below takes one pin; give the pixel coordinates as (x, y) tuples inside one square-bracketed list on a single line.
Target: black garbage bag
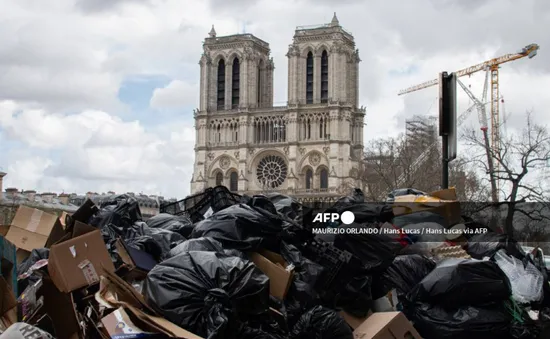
[(406, 272), (353, 296), (242, 227), (205, 245), (208, 293), (457, 282), (287, 206), (301, 294), (376, 251), (120, 212), (320, 323), (487, 244), (419, 217), (356, 197), (176, 223), (156, 241), (468, 322)]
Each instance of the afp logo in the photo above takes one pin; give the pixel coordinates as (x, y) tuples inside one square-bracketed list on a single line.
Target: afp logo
[(346, 217)]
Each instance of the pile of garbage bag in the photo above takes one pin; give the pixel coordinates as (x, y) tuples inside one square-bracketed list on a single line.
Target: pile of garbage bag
[(254, 267)]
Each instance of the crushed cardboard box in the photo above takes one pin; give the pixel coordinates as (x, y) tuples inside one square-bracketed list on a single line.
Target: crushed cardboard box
[(279, 272), (386, 325), (32, 228), (79, 261)]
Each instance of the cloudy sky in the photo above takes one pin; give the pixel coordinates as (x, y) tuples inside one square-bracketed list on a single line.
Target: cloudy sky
[(98, 94)]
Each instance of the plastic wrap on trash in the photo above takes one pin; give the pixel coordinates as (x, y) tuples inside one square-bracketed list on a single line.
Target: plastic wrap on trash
[(487, 244), (375, 251), (406, 272), (24, 276), (526, 280), (468, 322), (208, 293), (24, 331), (156, 241), (242, 227), (321, 323), (457, 282), (419, 217), (176, 223), (203, 244)]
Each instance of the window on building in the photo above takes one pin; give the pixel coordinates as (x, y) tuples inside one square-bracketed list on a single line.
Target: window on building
[(235, 84), (309, 179), (219, 179), (309, 78), (324, 179), (221, 84), (259, 89), (324, 77), (234, 182)]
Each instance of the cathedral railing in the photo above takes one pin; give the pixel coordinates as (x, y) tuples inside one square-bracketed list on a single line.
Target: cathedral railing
[(222, 144)]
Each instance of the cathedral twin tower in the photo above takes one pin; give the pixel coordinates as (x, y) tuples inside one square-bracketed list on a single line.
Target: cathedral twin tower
[(309, 147)]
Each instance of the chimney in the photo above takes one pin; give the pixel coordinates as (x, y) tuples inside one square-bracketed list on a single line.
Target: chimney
[(2, 175), (111, 193), (64, 198), (30, 195), (11, 192), (89, 195), (47, 197)]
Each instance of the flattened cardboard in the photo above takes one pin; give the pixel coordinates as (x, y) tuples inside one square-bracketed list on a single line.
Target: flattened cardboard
[(386, 325), (79, 262), (133, 302), (60, 308), (274, 266), (32, 228)]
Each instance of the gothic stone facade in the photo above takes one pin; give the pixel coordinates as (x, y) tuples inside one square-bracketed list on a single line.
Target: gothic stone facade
[(311, 146)]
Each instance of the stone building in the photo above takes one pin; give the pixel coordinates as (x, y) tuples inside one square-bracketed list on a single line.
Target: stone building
[(311, 146)]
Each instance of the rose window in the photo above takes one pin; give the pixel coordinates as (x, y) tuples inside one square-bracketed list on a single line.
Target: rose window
[(271, 171)]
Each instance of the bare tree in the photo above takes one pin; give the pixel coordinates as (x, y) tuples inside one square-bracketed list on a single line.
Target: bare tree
[(389, 161), (519, 155)]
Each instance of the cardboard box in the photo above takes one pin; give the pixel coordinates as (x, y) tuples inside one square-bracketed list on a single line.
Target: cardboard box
[(79, 261), (32, 228), (138, 262), (352, 321), (119, 325), (279, 272), (386, 325), (443, 202)]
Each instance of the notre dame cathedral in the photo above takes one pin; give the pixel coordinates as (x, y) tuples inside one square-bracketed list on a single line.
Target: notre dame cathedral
[(310, 147)]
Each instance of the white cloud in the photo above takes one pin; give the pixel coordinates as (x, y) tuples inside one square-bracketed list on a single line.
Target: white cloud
[(176, 94), (96, 148), (62, 65)]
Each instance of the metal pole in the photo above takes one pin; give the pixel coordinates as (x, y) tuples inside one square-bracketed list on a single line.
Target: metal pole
[(445, 162)]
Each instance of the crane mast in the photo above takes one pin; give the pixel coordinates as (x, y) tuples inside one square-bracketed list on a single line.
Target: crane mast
[(492, 68)]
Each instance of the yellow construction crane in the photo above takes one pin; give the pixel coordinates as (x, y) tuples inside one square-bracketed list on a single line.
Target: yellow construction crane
[(492, 67)]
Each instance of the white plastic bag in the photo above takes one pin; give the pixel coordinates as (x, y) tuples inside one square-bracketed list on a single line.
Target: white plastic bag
[(526, 282)]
